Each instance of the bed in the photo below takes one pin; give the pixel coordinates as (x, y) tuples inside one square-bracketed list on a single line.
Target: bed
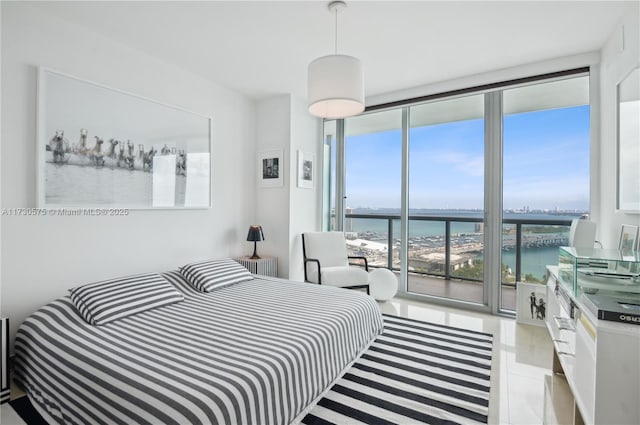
[(256, 352)]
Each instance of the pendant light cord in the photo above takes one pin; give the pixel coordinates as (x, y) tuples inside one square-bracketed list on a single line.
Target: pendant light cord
[(336, 35)]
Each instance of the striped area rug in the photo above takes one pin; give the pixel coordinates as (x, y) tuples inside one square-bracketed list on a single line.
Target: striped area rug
[(414, 373)]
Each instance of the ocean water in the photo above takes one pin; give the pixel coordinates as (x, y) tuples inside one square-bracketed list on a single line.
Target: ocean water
[(533, 260), (416, 228)]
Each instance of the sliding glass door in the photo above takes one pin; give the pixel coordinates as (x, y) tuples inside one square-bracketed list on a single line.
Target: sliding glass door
[(446, 199)]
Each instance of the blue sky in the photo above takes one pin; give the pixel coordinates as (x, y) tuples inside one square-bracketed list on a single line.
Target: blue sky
[(546, 163)]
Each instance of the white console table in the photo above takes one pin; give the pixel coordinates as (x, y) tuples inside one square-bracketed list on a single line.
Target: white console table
[(600, 361)]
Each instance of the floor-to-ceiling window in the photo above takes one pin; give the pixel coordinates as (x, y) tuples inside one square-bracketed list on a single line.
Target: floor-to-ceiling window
[(545, 176), (373, 147), (446, 199), (542, 184)]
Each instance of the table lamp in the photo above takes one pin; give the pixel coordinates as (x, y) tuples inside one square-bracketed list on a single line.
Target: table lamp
[(255, 234)]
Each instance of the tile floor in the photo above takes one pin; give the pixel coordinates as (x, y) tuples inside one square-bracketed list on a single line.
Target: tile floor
[(522, 356), (8, 416), (458, 289)]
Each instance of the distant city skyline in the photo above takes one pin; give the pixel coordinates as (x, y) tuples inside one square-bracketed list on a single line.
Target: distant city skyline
[(546, 164), (524, 209)]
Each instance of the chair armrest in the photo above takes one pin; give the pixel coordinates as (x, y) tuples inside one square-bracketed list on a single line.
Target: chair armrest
[(355, 257), (312, 260)]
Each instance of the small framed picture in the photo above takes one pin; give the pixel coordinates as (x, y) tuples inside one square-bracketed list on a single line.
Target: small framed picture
[(532, 303), (270, 168), (306, 164), (628, 238)]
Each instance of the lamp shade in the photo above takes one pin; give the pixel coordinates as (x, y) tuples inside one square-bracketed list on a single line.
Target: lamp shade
[(255, 233), (336, 86)]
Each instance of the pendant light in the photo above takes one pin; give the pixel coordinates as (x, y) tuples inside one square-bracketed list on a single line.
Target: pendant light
[(336, 85)]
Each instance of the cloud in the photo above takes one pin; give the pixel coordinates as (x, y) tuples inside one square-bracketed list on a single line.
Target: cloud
[(464, 163)]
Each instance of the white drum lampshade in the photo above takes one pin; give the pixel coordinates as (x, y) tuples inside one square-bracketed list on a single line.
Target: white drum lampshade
[(336, 86)]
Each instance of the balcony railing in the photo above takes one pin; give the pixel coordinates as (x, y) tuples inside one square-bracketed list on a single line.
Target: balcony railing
[(522, 239)]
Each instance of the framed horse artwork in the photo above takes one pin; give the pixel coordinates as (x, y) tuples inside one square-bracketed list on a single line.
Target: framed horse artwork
[(103, 148)]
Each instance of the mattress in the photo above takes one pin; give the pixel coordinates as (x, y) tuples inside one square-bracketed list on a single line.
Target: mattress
[(257, 352)]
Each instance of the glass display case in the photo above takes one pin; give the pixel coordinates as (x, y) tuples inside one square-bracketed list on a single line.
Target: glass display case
[(608, 272)]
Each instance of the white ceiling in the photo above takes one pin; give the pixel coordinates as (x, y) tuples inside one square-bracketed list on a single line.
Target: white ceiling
[(263, 48)]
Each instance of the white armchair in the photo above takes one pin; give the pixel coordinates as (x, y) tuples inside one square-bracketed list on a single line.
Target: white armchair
[(326, 261)]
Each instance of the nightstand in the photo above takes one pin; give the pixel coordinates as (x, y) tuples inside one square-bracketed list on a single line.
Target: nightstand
[(265, 266)]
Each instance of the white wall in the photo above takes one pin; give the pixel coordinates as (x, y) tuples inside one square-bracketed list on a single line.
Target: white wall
[(272, 203), (44, 256), (285, 212), (619, 56), (305, 204), (1, 127)]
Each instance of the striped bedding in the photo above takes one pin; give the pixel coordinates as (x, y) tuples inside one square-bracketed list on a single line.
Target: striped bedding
[(258, 352)]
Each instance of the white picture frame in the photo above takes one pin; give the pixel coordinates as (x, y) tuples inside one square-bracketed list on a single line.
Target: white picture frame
[(100, 147), (306, 169), (528, 311), (270, 168), (628, 238)]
